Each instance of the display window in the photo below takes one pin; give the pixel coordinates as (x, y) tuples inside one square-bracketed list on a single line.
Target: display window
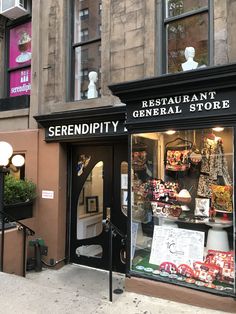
[(182, 208)]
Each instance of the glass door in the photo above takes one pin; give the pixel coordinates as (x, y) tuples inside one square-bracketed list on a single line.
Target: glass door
[(96, 186)]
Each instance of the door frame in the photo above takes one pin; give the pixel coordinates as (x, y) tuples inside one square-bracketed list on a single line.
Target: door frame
[(121, 140)]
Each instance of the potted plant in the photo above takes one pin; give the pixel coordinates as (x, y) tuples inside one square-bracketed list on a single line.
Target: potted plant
[(18, 197)]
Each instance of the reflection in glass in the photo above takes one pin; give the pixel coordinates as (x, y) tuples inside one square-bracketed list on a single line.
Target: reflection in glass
[(90, 205), (86, 43), (87, 59), (89, 251), (177, 7), (191, 31), (124, 187), (86, 16)]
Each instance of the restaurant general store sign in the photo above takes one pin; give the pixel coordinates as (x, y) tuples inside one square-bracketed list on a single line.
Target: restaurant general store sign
[(207, 103)]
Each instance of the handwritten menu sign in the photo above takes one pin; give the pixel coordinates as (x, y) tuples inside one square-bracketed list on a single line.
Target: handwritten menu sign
[(179, 246)]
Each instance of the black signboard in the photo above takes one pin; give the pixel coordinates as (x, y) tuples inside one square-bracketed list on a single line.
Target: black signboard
[(84, 124), (191, 106)]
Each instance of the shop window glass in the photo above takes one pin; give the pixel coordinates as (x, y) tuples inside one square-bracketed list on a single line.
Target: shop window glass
[(182, 208), (19, 60), (124, 187), (90, 205), (186, 30), (177, 7), (86, 58), (87, 39)]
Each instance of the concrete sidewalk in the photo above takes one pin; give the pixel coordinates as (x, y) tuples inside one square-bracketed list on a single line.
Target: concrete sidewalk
[(74, 289)]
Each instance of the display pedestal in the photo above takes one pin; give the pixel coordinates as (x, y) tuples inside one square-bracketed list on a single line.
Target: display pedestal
[(217, 238)]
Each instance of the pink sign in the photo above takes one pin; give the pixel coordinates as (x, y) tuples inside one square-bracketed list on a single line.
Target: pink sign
[(20, 45), (20, 82)]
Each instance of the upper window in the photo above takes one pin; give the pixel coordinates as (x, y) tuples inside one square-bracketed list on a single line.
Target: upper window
[(19, 60), (186, 24), (86, 53)]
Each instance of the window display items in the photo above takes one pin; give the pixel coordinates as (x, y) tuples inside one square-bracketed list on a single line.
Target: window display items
[(190, 64), (184, 198), (214, 167), (139, 156), (92, 89), (177, 154), (191, 169), (222, 198), (217, 238), (202, 207)]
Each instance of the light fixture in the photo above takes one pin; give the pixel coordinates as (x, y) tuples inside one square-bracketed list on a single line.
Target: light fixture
[(18, 160), (170, 132), (6, 151), (218, 129)]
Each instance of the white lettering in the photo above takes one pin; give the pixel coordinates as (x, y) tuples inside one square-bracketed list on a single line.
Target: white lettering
[(51, 131), (63, 130), (144, 104), (107, 126), (212, 95), (208, 106), (225, 104), (115, 124), (96, 126), (58, 130), (85, 128), (186, 98), (192, 108)]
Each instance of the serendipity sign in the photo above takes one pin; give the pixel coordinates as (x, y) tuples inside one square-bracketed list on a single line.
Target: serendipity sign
[(89, 129), (207, 103)]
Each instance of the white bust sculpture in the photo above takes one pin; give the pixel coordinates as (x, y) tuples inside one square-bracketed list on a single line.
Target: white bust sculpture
[(92, 90), (190, 64)]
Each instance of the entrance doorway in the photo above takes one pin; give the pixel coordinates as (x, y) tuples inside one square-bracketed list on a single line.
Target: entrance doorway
[(99, 190)]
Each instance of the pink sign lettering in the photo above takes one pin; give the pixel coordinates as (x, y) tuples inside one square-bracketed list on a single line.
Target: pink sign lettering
[(20, 82)]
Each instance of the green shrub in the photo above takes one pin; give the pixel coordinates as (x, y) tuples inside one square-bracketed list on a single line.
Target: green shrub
[(17, 191)]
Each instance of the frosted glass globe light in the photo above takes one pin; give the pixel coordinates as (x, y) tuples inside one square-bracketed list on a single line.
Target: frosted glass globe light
[(6, 150), (3, 161), (18, 160)]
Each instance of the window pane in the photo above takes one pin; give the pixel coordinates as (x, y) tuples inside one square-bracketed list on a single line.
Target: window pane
[(90, 205), (87, 59), (87, 17), (188, 32), (182, 208), (124, 187), (177, 7), (20, 45)]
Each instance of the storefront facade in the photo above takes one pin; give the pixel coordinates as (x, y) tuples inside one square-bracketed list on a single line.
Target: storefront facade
[(96, 147), (181, 195)]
